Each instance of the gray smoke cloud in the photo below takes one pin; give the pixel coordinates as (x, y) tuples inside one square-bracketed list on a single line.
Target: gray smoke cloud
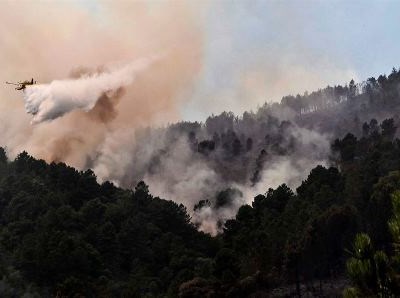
[(173, 161)]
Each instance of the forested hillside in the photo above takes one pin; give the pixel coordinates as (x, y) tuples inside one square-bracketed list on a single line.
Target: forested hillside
[(278, 143), (65, 235)]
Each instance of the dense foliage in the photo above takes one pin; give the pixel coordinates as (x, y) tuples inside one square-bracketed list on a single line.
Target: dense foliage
[(64, 234), (304, 236)]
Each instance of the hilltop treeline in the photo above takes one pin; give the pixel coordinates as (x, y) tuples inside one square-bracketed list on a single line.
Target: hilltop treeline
[(280, 142)]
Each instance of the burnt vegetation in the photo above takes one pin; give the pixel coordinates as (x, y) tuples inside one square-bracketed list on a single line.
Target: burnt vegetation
[(63, 234)]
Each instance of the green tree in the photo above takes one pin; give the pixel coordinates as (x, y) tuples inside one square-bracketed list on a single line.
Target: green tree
[(375, 273)]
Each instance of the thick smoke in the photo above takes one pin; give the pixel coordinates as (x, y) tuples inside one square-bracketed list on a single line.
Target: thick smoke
[(50, 101), (102, 105), (192, 163), (100, 117)]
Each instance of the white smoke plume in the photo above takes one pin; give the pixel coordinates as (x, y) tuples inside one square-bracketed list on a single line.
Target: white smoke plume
[(50, 101)]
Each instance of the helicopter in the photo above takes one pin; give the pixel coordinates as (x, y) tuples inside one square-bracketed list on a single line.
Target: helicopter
[(22, 85)]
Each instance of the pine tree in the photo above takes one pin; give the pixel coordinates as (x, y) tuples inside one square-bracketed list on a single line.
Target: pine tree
[(374, 273)]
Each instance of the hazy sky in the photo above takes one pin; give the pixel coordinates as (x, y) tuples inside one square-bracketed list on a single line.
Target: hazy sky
[(257, 51)]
